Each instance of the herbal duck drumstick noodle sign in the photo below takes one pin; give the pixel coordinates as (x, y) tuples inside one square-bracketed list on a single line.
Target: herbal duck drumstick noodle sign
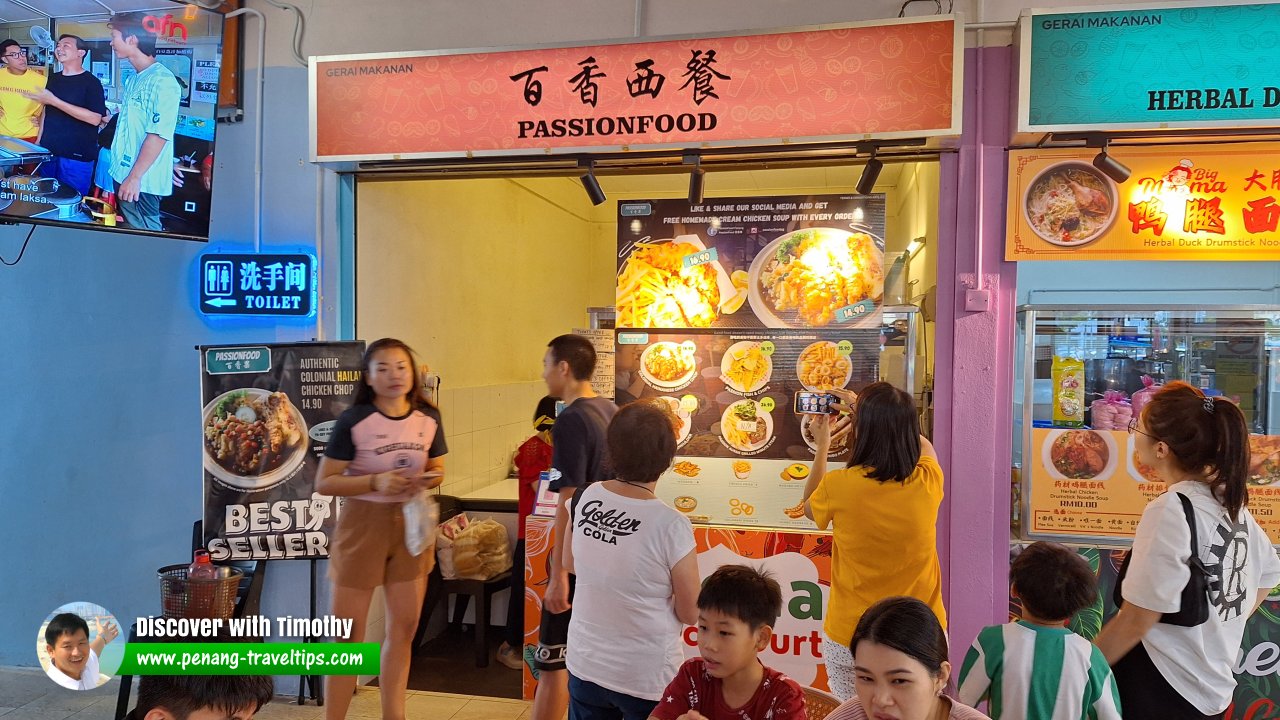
[(1192, 202), (268, 413)]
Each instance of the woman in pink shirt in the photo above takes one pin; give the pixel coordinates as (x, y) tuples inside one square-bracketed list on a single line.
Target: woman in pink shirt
[(383, 451)]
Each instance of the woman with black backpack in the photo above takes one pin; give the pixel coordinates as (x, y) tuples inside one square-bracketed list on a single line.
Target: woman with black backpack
[(1200, 564)]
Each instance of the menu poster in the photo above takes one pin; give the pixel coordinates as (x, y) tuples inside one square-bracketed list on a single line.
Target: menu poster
[(602, 341), (803, 262), (743, 453), (733, 394), (1090, 484), (268, 413)]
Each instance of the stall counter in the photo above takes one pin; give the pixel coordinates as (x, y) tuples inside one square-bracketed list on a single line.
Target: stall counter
[(799, 561)]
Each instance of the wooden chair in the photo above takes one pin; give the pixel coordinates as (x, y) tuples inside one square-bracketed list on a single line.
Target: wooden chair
[(819, 704), (248, 603), (439, 589)]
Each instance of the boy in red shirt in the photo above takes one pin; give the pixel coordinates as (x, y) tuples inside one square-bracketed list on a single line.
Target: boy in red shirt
[(532, 459), (737, 608)]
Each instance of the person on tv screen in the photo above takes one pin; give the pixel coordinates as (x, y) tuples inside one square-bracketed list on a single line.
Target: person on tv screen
[(19, 114), (75, 105), (142, 150)]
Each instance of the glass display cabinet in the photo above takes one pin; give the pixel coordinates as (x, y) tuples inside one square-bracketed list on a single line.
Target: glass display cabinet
[(1082, 374)]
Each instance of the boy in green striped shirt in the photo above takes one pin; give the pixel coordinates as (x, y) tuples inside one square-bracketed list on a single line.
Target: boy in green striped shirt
[(1035, 668)]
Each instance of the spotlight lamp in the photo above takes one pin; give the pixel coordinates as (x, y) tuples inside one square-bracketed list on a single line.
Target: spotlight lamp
[(1110, 166), (696, 185), (591, 185), (870, 173)]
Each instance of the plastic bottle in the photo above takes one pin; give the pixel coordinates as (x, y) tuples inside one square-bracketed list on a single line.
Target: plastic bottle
[(200, 586), (202, 567)]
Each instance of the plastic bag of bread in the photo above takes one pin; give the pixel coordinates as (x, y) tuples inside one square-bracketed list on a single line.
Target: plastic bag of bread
[(446, 533), (479, 551)]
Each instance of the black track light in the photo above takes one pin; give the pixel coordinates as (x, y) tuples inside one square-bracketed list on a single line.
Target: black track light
[(591, 185), (1110, 166), (870, 173), (695, 186), (695, 179)]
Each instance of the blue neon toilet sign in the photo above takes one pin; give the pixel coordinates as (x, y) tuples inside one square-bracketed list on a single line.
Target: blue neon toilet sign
[(258, 284)]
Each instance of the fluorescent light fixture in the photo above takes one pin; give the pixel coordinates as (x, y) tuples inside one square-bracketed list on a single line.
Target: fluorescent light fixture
[(915, 246)]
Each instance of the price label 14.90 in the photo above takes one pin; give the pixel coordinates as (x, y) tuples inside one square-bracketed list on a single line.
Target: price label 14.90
[(849, 313)]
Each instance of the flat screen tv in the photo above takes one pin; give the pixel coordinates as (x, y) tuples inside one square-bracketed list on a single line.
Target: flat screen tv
[(108, 121)]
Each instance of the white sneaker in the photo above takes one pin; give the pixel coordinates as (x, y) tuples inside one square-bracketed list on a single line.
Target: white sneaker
[(508, 656)]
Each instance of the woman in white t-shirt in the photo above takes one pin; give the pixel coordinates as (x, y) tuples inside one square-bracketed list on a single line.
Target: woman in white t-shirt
[(637, 572), (1200, 445)]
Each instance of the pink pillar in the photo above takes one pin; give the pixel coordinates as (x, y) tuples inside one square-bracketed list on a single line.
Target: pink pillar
[(975, 355)]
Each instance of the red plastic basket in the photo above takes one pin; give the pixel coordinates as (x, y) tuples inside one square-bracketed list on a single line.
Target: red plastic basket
[(181, 597)]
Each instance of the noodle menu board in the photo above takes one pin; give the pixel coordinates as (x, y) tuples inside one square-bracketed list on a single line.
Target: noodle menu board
[(1089, 484), (726, 310), (1189, 202), (268, 413)]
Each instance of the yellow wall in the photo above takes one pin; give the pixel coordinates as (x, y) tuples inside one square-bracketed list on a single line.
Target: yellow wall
[(458, 268), (912, 213), (477, 275)]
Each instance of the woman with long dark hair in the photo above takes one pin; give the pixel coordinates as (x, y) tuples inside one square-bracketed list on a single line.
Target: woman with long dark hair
[(883, 510), (385, 450), (901, 670), (1173, 643)]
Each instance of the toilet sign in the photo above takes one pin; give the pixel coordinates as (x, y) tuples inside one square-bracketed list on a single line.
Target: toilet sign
[(255, 284)]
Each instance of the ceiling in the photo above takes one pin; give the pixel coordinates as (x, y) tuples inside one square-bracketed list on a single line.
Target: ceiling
[(29, 10)]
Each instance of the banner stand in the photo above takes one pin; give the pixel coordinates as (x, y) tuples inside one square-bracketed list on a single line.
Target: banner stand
[(311, 681)]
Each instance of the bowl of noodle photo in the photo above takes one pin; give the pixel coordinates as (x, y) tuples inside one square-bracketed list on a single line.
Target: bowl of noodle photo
[(253, 439), (1070, 204), (1080, 455)]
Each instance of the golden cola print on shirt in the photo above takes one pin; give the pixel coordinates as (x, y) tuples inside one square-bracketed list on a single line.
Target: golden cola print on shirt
[(605, 525)]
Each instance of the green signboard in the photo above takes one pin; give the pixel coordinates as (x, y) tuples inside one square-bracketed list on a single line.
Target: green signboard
[(1202, 66), (236, 360)]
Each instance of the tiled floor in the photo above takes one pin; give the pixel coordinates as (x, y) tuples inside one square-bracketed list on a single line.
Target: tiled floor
[(29, 695)]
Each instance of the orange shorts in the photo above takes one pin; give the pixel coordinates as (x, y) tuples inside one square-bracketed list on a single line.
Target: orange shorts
[(368, 547)]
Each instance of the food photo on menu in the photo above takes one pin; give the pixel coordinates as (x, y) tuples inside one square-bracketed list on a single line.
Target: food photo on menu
[(785, 262), (733, 395), (742, 407)]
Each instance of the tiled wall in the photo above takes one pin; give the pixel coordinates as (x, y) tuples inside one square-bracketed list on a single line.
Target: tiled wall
[(484, 426)]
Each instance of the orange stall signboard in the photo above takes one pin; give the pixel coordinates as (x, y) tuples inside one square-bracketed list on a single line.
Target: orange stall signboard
[(1193, 202), (883, 80)]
